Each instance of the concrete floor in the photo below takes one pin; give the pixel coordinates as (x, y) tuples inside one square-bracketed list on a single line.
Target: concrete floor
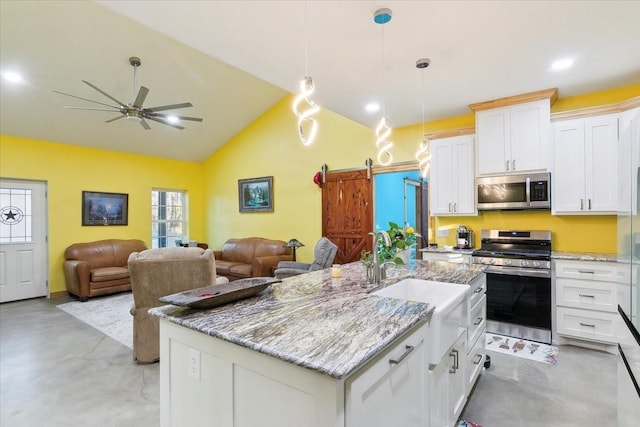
[(57, 371)]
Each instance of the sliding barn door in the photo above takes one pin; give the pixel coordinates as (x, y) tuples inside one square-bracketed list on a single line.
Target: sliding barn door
[(347, 213)]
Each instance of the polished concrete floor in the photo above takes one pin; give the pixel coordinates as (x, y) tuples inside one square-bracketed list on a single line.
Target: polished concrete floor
[(57, 371)]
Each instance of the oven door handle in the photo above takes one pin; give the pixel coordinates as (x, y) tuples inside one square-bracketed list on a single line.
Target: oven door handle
[(511, 271)]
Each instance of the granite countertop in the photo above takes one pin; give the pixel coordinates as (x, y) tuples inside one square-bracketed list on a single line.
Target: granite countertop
[(584, 256), (332, 326)]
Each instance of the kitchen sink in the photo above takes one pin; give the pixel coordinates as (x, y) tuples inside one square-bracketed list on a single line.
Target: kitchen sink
[(449, 300)]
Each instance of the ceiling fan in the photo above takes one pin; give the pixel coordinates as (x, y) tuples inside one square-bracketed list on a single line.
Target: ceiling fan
[(134, 110)]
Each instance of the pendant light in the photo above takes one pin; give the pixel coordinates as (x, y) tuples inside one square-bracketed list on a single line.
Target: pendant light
[(423, 155), (381, 17), (307, 125)]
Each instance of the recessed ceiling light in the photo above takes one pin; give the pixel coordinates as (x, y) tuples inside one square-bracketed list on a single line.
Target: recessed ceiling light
[(12, 76), (372, 107), (562, 64)]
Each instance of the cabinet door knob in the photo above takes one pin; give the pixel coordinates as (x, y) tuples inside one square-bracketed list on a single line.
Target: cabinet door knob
[(507, 165), (513, 164), (589, 204), (477, 322), (449, 206), (455, 367), (581, 204), (455, 207), (478, 360), (408, 349)]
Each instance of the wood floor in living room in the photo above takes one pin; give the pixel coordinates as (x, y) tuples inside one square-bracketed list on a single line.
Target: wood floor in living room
[(57, 371)]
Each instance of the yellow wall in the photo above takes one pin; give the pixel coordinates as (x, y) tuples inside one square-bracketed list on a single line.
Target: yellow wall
[(69, 169)]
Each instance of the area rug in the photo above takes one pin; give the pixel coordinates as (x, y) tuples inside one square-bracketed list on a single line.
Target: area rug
[(110, 315), (522, 348)]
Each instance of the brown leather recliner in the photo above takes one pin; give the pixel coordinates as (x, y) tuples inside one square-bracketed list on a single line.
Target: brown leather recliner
[(100, 267), (250, 257)]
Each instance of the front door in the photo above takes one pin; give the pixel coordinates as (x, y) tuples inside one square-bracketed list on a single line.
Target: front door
[(347, 213), (23, 247)]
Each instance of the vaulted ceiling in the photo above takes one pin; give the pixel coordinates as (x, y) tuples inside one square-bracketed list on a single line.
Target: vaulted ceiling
[(234, 59)]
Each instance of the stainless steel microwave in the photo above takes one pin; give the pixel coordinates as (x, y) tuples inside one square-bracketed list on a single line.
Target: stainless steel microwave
[(523, 191)]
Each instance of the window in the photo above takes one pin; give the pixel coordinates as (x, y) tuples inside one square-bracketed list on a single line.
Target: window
[(168, 217)]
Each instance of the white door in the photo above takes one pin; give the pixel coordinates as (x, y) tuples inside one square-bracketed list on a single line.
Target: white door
[(23, 247)]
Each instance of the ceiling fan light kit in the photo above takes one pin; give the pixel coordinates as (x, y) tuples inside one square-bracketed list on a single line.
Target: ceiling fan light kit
[(135, 110)]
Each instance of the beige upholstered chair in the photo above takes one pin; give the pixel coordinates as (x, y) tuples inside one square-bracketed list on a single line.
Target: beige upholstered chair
[(159, 272)]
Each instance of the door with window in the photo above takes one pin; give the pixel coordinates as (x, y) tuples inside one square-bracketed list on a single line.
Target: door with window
[(168, 218), (23, 240)]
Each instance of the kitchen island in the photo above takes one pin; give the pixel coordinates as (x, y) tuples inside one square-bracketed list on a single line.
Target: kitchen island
[(289, 356)]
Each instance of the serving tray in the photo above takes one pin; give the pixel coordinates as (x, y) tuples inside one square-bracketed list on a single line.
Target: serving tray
[(215, 295)]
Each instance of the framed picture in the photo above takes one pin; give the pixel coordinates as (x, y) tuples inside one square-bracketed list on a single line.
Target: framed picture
[(104, 208), (256, 194)]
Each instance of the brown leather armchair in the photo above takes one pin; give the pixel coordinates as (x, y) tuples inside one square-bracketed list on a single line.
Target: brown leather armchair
[(100, 267), (250, 257), (159, 272)]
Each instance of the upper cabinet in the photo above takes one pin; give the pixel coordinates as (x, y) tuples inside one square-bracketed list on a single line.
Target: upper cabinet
[(584, 165), (513, 133), (451, 181)]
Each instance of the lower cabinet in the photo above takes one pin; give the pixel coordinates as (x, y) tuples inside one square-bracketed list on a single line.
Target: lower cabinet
[(447, 385), (586, 300), (392, 391)]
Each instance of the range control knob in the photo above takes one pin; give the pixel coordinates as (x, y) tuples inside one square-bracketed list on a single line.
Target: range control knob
[(524, 263), (507, 262), (536, 263), (493, 261)]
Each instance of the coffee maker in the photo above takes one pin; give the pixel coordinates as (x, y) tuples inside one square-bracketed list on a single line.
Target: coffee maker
[(464, 238)]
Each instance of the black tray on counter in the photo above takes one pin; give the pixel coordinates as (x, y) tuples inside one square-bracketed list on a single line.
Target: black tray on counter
[(215, 295)]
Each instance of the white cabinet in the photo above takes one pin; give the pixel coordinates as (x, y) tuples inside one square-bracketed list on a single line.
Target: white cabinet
[(585, 160), (392, 391), (513, 139), (447, 385), (451, 182), (586, 300)]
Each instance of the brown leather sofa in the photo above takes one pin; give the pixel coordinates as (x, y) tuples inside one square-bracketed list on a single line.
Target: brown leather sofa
[(250, 257), (100, 267)]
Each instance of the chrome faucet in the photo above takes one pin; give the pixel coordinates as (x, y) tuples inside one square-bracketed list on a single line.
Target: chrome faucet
[(376, 260)]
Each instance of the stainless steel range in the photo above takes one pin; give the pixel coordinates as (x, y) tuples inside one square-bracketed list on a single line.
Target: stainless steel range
[(518, 282)]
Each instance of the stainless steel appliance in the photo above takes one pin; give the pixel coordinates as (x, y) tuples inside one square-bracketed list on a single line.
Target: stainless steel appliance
[(522, 191), (518, 282), (629, 273), (464, 234)]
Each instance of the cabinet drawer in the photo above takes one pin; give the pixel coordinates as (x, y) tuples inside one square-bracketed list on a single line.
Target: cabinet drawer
[(477, 320), (475, 361), (604, 271), (478, 289), (592, 295), (589, 325)]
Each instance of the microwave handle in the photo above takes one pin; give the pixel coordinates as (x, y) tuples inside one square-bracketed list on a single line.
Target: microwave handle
[(528, 191)]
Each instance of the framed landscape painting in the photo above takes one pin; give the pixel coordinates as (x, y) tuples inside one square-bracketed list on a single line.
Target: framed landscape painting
[(104, 208), (256, 194)]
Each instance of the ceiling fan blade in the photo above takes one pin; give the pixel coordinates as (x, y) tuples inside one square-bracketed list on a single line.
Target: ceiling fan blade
[(85, 99), (142, 94), (144, 124), (168, 107), (115, 118), (166, 116), (165, 123), (104, 93), (115, 110)]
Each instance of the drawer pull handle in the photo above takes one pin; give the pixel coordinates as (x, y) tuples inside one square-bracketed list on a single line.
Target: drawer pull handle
[(586, 271), (478, 360), (587, 295), (477, 322), (454, 368), (408, 349), (477, 291), (587, 324)]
